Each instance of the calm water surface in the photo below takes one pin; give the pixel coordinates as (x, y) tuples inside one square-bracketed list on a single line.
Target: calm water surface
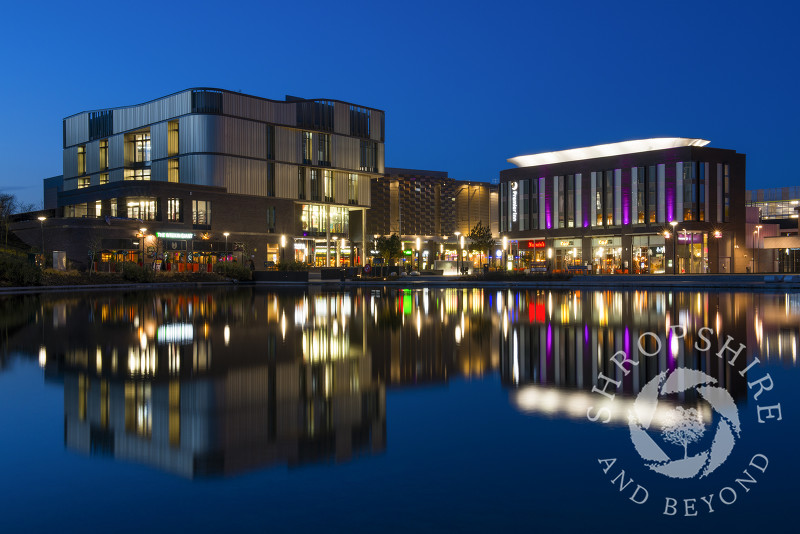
[(425, 410)]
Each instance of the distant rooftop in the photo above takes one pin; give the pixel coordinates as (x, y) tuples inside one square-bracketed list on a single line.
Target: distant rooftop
[(602, 151)]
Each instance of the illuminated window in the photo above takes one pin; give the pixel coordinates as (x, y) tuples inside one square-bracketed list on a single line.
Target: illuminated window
[(327, 179), (307, 147), (103, 154), (174, 211), (641, 205), (104, 178), (201, 212), (315, 188), (84, 182), (137, 174), (141, 148), (113, 207), (173, 138), (369, 156), (143, 208), (82, 159), (352, 189), (173, 171)]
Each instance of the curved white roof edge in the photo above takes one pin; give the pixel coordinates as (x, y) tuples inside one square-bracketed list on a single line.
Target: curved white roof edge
[(602, 151)]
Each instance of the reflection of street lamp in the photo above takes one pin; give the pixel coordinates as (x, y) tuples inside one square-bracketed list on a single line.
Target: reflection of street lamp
[(41, 225), (458, 259), (226, 234), (674, 246)]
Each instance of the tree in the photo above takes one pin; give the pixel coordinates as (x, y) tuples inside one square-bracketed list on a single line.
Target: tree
[(480, 239), (10, 205), (390, 247), (94, 244), (683, 427)]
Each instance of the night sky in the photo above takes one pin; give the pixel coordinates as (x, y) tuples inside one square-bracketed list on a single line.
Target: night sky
[(465, 85)]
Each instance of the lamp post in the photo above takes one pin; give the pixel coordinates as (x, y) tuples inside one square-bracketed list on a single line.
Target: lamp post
[(419, 256), (336, 248), (283, 248), (718, 236), (226, 234), (505, 246), (458, 259), (41, 225), (674, 224), (142, 233), (461, 252)]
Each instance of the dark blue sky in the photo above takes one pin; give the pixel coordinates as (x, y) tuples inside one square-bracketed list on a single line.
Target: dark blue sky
[(465, 85)]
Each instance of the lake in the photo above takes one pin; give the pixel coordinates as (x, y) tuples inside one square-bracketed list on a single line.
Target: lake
[(397, 410)]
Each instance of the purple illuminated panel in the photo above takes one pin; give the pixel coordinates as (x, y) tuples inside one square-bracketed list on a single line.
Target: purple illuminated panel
[(670, 192), (548, 202), (626, 195)]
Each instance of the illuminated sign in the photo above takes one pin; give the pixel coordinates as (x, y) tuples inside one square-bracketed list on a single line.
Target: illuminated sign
[(565, 243), (407, 252), (514, 195), (603, 241), (539, 243), (174, 235), (658, 250)]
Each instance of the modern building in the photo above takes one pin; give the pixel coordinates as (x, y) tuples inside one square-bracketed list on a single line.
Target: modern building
[(208, 172), (774, 229), (623, 207), (432, 207)]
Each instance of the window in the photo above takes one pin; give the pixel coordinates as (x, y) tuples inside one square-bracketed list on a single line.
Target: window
[(100, 124), (701, 188), (84, 182), (270, 141), (726, 191), (270, 179), (173, 171), (562, 202), (327, 178), (689, 191), (570, 201), (315, 115), (315, 189), (206, 101), (352, 183), (201, 212), (103, 154), (141, 148), (98, 208), (173, 138), (598, 197), (359, 121), (82, 159), (324, 150), (307, 147), (174, 211), (369, 156), (112, 204), (143, 208), (608, 186), (301, 183), (137, 174), (534, 202), (271, 219), (104, 178)]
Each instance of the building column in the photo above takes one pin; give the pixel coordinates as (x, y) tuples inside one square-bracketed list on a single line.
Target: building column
[(328, 239)]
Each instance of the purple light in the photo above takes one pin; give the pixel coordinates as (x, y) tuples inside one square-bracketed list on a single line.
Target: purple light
[(549, 341)]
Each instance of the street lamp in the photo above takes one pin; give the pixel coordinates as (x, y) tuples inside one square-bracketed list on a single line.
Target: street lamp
[(142, 232), (41, 225), (458, 259), (461, 253), (419, 256), (674, 224), (336, 248), (757, 261), (283, 248), (505, 258), (226, 234)]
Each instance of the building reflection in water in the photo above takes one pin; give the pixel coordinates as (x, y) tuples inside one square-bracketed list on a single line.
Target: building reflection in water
[(221, 382)]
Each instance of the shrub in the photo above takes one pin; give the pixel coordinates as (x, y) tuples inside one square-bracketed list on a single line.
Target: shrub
[(18, 272), (292, 266), (132, 272), (232, 270)]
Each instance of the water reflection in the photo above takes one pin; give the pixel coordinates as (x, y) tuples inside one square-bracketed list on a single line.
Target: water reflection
[(222, 382)]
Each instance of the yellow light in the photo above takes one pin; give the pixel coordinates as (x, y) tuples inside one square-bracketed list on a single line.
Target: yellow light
[(283, 241)]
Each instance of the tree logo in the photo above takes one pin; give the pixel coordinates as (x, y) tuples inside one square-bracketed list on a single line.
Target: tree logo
[(682, 427)]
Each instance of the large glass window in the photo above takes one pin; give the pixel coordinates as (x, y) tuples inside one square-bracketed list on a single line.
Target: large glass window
[(352, 189), (689, 191), (137, 174), (315, 187), (173, 138), (608, 190), (641, 202), (324, 150), (270, 179), (534, 204), (301, 183), (652, 194), (104, 178), (84, 182), (701, 188), (143, 208), (307, 147), (327, 177), (598, 197), (141, 148), (174, 212), (201, 212), (570, 200), (562, 202), (270, 141), (173, 170), (103, 154), (369, 156), (82, 159)]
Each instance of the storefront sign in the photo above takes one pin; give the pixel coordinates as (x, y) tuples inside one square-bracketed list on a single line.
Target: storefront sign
[(603, 242), (538, 243), (407, 252), (565, 243), (658, 250), (174, 235), (514, 200)]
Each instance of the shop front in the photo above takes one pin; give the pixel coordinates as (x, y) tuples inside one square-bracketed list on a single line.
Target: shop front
[(567, 255), (532, 254), (607, 256), (692, 252), (648, 254)]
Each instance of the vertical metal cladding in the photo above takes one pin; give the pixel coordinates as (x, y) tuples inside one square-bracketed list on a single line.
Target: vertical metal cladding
[(116, 151), (381, 165), (286, 177), (76, 129), (136, 117), (93, 157), (341, 118), (364, 196), (158, 140), (346, 152), (158, 171), (287, 145), (376, 125)]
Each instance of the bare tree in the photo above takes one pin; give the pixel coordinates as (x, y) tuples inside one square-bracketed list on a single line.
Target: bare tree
[(10, 205), (683, 427)]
